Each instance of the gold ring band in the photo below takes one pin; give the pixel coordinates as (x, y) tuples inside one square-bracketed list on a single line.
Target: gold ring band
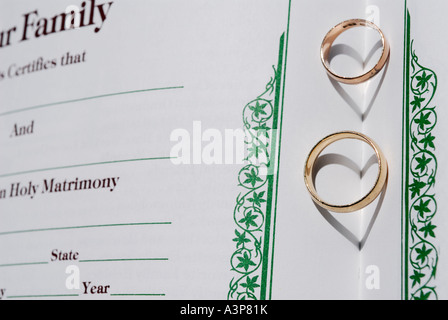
[(334, 33), (371, 195)]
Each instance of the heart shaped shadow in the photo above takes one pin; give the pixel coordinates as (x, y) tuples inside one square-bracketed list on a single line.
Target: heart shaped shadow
[(331, 159), (343, 49)]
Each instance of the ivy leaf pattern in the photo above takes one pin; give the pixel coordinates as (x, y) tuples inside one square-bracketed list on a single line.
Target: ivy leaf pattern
[(417, 103), (262, 129), (423, 253), (423, 296), (249, 220), (245, 262), (257, 199), (422, 207), (428, 141), (416, 277), (428, 230), (423, 120), (251, 284), (254, 151), (421, 164), (416, 188), (258, 109), (250, 212), (240, 238), (423, 80), (252, 177)]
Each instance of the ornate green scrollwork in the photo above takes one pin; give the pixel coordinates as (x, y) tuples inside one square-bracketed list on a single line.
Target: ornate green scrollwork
[(250, 210), (422, 205)]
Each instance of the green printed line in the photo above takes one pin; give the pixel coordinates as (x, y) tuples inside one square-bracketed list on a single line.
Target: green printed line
[(21, 264), (405, 160), (43, 296), (280, 127), (81, 165), (123, 260), (86, 98), (270, 179), (84, 227), (139, 294)]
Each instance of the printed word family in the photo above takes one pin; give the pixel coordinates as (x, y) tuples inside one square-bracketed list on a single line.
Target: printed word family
[(36, 26)]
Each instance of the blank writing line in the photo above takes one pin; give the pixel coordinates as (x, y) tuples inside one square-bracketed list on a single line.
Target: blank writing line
[(43, 296), (84, 227), (81, 165), (122, 260), (21, 264), (86, 98), (138, 294)]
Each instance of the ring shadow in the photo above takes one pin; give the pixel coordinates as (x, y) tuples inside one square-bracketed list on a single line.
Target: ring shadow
[(340, 49), (330, 159)]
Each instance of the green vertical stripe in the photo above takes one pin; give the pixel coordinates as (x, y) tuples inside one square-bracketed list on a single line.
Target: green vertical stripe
[(405, 161), (280, 141), (267, 230)]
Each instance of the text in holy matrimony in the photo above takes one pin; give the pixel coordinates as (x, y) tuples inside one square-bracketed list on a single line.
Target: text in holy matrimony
[(55, 186)]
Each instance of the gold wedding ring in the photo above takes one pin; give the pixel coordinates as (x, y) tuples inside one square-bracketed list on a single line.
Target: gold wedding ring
[(334, 33), (371, 195)]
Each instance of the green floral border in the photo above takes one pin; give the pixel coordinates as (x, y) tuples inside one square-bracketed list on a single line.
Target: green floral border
[(420, 204), (254, 214)]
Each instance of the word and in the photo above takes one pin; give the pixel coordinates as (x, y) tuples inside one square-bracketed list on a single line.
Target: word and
[(19, 131), (53, 186), (58, 255), (35, 26)]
